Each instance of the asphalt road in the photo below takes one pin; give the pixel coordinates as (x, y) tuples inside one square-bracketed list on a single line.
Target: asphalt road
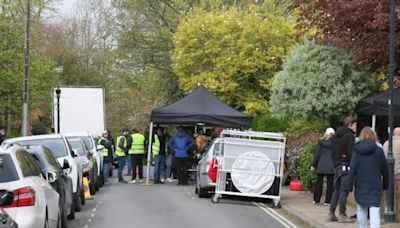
[(169, 205)]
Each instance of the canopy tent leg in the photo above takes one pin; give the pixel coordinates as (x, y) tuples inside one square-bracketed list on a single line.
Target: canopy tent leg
[(373, 125), (149, 154)]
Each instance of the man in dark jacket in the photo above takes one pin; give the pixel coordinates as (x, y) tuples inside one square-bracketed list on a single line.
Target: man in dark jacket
[(180, 144), (342, 147)]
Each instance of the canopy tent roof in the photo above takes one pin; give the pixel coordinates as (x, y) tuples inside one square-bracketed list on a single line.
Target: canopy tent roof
[(378, 104), (200, 106)]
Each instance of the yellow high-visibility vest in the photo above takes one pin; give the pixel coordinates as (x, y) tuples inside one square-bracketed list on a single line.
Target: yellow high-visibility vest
[(137, 144)]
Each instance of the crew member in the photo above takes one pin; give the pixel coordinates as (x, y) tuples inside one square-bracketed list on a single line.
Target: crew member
[(121, 153), (137, 152), (106, 152)]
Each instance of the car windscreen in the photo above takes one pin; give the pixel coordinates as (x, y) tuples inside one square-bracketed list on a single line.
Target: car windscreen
[(77, 145), (88, 142), (56, 145), (8, 172)]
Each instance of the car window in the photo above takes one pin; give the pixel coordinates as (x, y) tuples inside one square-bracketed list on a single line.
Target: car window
[(88, 142), (51, 159), (35, 169), (77, 145), (23, 163), (56, 145), (8, 172), (40, 161)]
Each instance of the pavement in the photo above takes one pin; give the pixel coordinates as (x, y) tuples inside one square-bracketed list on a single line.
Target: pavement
[(299, 206)]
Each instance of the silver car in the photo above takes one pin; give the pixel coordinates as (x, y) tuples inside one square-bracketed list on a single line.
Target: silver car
[(206, 170)]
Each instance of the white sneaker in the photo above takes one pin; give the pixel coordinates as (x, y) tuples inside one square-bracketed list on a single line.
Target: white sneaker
[(133, 182), (162, 180), (141, 180), (169, 180)]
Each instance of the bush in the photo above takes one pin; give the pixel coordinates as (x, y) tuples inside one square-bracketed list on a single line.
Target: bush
[(302, 127), (307, 177), (265, 122)]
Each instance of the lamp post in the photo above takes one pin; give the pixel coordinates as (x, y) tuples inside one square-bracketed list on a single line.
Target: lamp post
[(25, 95), (389, 215), (58, 93)]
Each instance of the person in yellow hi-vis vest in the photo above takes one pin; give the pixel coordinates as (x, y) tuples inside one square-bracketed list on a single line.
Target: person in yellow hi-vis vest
[(121, 152), (137, 152), (106, 152), (159, 149)]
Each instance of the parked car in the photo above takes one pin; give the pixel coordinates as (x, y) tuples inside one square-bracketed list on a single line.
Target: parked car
[(89, 166), (62, 150), (35, 203), (57, 179), (91, 146), (206, 170), (6, 199)]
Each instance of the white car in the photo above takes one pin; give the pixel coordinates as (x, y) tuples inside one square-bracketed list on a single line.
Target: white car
[(61, 149), (91, 145), (35, 202)]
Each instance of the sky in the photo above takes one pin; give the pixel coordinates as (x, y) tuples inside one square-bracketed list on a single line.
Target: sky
[(66, 7)]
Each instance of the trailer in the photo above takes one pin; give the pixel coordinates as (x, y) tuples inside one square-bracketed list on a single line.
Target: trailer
[(250, 164)]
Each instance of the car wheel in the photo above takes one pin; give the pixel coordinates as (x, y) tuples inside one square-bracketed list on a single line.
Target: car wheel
[(82, 194), (101, 179), (64, 218), (71, 215), (92, 188), (202, 193), (77, 201)]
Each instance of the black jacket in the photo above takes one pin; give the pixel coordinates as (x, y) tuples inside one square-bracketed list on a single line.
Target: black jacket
[(323, 161), (342, 146), (367, 168)]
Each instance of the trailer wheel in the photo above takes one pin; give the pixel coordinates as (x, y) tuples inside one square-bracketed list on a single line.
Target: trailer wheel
[(276, 204), (215, 198)]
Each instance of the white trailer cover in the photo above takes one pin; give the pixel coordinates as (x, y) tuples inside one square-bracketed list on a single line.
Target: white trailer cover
[(82, 109)]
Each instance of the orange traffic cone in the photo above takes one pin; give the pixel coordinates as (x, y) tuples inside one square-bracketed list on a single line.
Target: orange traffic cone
[(86, 188)]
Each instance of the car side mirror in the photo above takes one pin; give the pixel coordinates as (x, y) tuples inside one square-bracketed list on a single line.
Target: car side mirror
[(99, 147), (74, 153), (6, 198), (65, 164), (51, 177)]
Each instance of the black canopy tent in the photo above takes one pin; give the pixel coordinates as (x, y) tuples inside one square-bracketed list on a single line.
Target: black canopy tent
[(200, 106), (377, 106)]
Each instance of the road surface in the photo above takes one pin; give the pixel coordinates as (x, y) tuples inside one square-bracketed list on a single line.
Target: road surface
[(169, 206)]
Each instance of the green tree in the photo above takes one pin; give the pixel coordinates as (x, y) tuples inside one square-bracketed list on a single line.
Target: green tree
[(318, 82), (42, 76), (233, 51)]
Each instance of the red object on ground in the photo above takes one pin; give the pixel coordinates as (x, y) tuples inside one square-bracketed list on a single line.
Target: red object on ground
[(295, 186)]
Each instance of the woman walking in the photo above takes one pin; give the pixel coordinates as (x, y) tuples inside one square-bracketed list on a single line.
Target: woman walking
[(368, 166), (324, 166)]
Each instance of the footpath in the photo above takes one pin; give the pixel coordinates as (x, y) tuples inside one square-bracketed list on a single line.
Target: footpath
[(299, 206)]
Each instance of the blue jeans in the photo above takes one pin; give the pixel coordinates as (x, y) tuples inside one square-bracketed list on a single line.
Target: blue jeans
[(106, 170), (121, 166), (129, 163), (362, 217), (168, 163), (159, 170)]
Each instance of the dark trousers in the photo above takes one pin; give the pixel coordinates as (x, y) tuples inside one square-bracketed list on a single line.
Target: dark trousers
[(137, 161), (181, 165), (318, 187), (339, 193)]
